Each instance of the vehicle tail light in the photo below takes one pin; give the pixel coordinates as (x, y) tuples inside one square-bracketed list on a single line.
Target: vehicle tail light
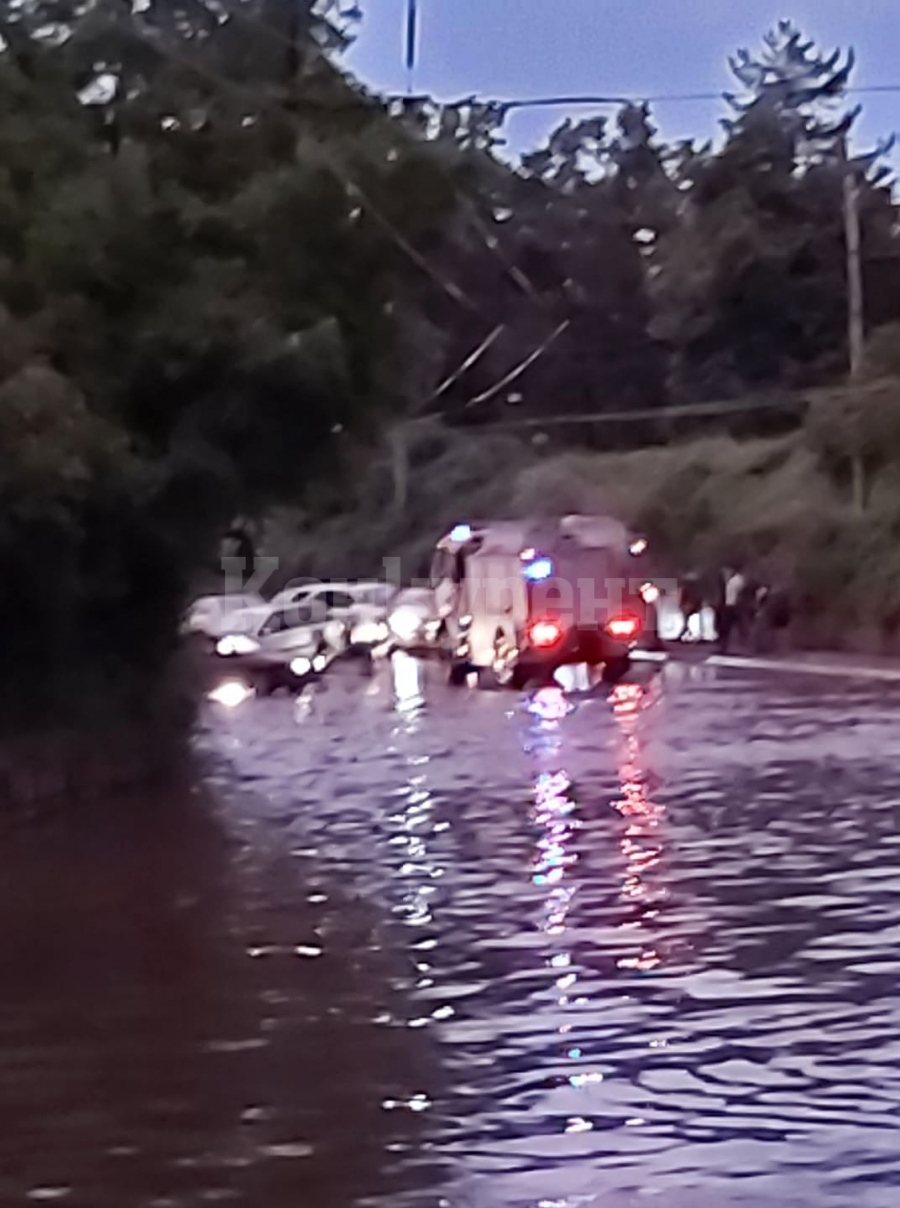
[(544, 634), (624, 627)]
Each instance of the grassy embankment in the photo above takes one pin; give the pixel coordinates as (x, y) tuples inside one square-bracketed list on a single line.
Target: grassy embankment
[(816, 510)]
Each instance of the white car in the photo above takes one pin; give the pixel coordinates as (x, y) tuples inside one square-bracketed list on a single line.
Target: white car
[(280, 647), (214, 616), (362, 607), (338, 598)]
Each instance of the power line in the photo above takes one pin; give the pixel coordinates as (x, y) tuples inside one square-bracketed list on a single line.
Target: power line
[(449, 287), (467, 363), (795, 403), (686, 411), (146, 36), (516, 274), (504, 107), (585, 101), (353, 189), (490, 241), (137, 30), (523, 365)]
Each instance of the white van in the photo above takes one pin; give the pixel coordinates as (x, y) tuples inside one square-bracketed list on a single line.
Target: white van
[(517, 600)]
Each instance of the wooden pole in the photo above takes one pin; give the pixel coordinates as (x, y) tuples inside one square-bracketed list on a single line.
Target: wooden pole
[(855, 310), (855, 324)]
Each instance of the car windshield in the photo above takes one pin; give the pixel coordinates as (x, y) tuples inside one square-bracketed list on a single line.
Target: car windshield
[(291, 595)]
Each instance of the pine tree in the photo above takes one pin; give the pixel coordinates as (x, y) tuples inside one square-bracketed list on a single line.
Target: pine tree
[(795, 87)]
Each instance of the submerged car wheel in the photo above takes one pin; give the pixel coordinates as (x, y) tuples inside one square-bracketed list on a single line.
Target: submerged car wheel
[(521, 677), (518, 678), (490, 681), (505, 663), (458, 674), (266, 684), (616, 669)]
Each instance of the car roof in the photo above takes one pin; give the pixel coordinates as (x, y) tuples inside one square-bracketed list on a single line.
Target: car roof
[(350, 587), (414, 593), (228, 597)]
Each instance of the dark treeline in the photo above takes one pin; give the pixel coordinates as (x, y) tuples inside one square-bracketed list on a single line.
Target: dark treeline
[(225, 268)]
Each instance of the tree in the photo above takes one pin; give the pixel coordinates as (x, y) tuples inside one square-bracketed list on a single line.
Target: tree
[(795, 85), (226, 270), (201, 308), (751, 289), (550, 256)]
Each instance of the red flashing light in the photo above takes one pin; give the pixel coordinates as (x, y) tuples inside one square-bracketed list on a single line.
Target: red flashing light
[(544, 634), (625, 627)]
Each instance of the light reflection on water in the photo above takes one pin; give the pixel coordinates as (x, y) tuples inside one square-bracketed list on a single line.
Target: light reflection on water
[(504, 951), (642, 840)]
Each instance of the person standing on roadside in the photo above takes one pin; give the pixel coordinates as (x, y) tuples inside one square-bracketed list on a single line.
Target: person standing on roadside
[(690, 601), (776, 616), (758, 628), (730, 618), (748, 610)]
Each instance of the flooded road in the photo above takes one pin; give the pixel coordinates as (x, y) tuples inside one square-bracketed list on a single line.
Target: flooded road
[(478, 950)]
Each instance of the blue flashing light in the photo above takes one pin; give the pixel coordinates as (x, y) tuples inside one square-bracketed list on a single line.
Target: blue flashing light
[(462, 532), (538, 571)]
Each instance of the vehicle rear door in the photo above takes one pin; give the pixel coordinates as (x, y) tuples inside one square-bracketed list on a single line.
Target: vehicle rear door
[(448, 574), (585, 588), (497, 601)]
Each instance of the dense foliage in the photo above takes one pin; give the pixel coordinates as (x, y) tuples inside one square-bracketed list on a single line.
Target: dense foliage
[(226, 270), (194, 306)]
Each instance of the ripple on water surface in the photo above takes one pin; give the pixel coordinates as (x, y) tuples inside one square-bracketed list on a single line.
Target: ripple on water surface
[(494, 950), (654, 936)]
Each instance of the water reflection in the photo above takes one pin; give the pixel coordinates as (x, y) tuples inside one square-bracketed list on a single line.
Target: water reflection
[(540, 871), (555, 816), (641, 842), (459, 927), (183, 1023), (553, 809), (407, 676)]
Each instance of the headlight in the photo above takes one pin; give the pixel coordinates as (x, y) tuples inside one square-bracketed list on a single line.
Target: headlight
[(236, 643), (369, 633), (649, 593), (231, 694), (405, 623), (301, 666)]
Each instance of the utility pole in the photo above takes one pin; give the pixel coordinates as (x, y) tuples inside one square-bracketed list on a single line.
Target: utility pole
[(855, 325), (855, 308), (412, 34)]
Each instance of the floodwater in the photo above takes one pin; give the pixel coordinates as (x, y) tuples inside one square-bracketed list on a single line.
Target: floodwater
[(473, 950)]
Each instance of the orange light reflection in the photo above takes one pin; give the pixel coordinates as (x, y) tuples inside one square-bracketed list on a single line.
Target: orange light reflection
[(641, 844)]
